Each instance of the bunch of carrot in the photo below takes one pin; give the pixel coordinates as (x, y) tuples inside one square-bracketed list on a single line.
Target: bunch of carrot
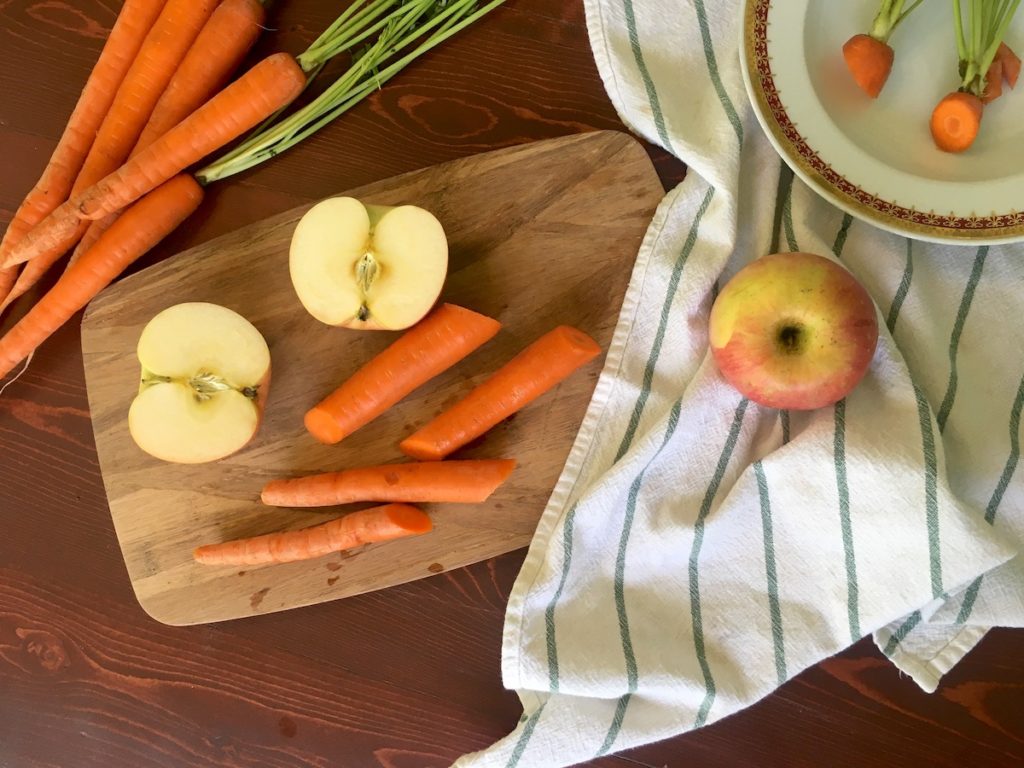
[(985, 62), (446, 336), (154, 106)]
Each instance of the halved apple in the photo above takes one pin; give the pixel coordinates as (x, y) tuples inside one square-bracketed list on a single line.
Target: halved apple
[(205, 377), (366, 266)]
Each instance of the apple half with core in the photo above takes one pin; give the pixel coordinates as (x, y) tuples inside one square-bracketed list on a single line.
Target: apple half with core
[(793, 331), (368, 267), (205, 377)]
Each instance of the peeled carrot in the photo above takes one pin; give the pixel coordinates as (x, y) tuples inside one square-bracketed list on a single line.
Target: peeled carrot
[(140, 228), (384, 523), (467, 482), (538, 368), (222, 43), (869, 61), (956, 120), (268, 86), (1010, 63), (122, 46), (993, 83), (434, 345)]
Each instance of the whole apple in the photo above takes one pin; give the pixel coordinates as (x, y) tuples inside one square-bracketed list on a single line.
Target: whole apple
[(793, 331)]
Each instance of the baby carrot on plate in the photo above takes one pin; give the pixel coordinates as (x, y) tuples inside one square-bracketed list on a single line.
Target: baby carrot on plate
[(435, 481), (445, 336), (538, 368), (384, 523)]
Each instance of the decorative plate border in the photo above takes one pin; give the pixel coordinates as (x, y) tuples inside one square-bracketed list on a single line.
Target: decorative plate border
[(869, 206)]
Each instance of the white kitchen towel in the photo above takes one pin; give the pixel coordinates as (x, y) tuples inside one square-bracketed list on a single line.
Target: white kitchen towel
[(699, 550)]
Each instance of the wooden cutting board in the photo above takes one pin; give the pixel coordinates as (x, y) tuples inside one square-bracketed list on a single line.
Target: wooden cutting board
[(540, 235)]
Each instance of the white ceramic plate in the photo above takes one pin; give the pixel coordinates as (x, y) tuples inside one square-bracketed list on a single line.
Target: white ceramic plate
[(875, 158)]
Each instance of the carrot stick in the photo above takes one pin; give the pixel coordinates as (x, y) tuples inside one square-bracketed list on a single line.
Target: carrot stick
[(163, 50), (434, 345), (256, 95), (467, 482), (140, 228), (869, 61), (214, 56), (956, 120), (122, 46), (384, 523), (527, 376)]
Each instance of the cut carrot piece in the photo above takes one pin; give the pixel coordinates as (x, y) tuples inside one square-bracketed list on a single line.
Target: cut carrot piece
[(869, 61), (126, 38), (140, 228), (993, 83), (956, 121), (467, 482), (531, 373), (1010, 62), (435, 344), (384, 523)]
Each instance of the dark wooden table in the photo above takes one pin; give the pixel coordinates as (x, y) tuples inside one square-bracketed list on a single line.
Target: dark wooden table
[(404, 678)]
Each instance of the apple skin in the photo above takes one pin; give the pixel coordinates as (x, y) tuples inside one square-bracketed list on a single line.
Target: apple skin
[(793, 331)]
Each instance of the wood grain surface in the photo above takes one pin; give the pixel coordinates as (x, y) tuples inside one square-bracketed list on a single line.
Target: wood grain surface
[(557, 221), (401, 678)]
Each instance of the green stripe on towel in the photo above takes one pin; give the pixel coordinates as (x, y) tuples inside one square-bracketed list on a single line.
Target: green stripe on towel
[(645, 75), (549, 614), (954, 339), (1012, 459), (840, 241), (694, 571), (524, 737), (901, 292), (770, 574), (930, 490), (716, 79), (901, 632), (839, 455), (659, 336)]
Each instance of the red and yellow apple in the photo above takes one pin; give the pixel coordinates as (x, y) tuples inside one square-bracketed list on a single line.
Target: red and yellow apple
[(205, 376), (793, 331), (368, 267)]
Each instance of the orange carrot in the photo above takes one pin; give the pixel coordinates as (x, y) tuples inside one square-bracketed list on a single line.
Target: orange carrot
[(993, 82), (224, 41), (140, 228), (869, 61), (122, 46), (268, 86), (956, 120), (1010, 62), (164, 49), (384, 523), (467, 482), (213, 57), (434, 345), (527, 376)]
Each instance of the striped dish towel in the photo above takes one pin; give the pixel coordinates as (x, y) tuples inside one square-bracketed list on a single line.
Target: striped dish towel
[(699, 550)]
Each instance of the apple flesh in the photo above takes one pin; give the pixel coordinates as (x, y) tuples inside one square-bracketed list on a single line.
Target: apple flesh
[(205, 376), (793, 331), (368, 267)]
